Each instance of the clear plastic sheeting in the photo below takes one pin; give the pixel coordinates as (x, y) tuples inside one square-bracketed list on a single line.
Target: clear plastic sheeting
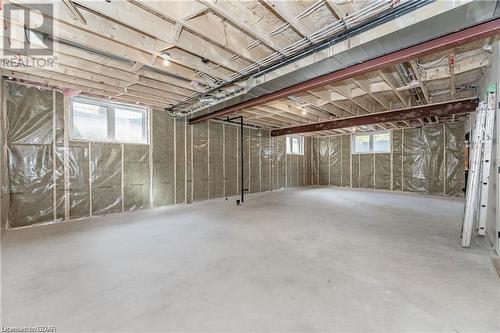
[(324, 157), (279, 163), (382, 178), (346, 161), (254, 162), (200, 161), (163, 159), (397, 160), (455, 142), (424, 160), (136, 177), (231, 159), (29, 115), (335, 147), (106, 175), (266, 153), (366, 170), (31, 184), (50, 177), (180, 161), (79, 186), (216, 160)]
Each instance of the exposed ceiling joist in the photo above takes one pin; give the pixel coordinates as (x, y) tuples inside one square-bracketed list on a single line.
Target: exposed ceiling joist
[(451, 40)]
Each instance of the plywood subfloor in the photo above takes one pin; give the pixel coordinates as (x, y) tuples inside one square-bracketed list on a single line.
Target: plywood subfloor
[(308, 259)]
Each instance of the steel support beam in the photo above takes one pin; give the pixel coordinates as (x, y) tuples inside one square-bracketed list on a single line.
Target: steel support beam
[(428, 110), (449, 41)]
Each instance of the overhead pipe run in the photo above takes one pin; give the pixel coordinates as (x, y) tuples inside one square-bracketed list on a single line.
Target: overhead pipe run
[(449, 41), (429, 110)]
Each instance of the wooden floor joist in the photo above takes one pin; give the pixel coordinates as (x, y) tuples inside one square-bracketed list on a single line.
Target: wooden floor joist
[(428, 110)]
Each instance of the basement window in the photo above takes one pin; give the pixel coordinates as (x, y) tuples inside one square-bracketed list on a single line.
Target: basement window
[(368, 143), (95, 120), (295, 145)]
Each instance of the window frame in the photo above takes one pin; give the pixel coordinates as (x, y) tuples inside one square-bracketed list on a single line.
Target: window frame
[(289, 150), (110, 117), (371, 142)]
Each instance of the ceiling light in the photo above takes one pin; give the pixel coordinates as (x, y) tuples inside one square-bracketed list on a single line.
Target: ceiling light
[(166, 58), (304, 112)]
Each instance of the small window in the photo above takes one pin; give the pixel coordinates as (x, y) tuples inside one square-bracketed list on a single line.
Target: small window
[(103, 121), (295, 145), (379, 142)]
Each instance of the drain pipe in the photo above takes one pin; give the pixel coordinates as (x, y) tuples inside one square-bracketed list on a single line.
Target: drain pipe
[(232, 120)]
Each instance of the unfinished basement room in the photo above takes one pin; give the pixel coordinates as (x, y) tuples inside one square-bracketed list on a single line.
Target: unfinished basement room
[(250, 166)]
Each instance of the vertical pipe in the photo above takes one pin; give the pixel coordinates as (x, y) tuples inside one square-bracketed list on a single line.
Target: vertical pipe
[(241, 158), (54, 157)]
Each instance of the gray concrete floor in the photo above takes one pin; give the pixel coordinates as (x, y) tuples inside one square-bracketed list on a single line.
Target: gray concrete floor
[(308, 259)]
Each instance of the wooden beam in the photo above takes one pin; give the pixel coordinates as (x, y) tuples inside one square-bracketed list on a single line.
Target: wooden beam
[(428, 110), (74, 10)]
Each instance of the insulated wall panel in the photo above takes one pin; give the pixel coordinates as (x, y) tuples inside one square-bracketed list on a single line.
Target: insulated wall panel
[(300, 170), (30, 154), (200, 161), (180, 161), (106, 174), (79, 190), (323, 161), (216, 160), (355, 171), (455, 136), (232, 158), (308, 169), (265, 157), (136, 176), (255, 154), (382, 176), (292, 170), (163, 159), (423, 160), (335, 160), (315, 162), (366, 170), (346, 160), (246, 159), (397, 160), (280, 162), (189, 164), (31, 184)]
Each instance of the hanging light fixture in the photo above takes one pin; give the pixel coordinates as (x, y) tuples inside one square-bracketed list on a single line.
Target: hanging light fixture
[(166, 58)]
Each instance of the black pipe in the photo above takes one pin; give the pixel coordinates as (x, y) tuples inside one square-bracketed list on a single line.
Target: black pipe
[(241, 156)]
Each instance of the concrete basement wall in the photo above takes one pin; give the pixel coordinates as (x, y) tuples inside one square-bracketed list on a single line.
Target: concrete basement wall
[(51, 178), (426, 160)]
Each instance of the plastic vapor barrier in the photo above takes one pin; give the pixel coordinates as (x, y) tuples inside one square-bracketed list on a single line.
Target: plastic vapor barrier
[(163, 159), (335, 160), (50, 177), (216, 160), (424, 160), (106, 176), (136, 177), (254, 164), (200, 161), (324, 156), (346, 161), (266, 158), (180, 161), (231, 160)]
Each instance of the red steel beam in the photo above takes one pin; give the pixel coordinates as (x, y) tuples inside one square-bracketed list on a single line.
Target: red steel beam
[(449, 41), (429, 110)]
